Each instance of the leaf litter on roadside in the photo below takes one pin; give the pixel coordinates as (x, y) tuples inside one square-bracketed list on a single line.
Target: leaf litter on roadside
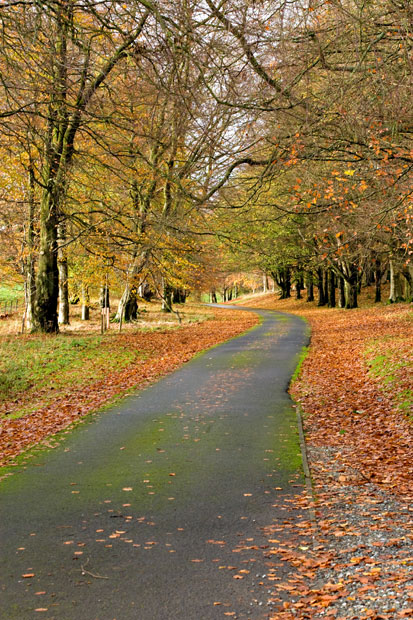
[(355, 559)]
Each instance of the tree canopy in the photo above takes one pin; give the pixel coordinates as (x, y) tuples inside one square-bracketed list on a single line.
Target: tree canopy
[(167, 145)]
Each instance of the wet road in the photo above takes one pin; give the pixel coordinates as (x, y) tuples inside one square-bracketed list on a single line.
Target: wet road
[(156, 508)]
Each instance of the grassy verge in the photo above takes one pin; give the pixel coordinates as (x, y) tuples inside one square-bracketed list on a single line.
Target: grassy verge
[(35, 368), (390, 361), (11, 293)]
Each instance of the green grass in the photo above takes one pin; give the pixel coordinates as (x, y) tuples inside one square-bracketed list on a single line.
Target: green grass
[(57, 362), (11, 293), (387, 367), (300, 360)]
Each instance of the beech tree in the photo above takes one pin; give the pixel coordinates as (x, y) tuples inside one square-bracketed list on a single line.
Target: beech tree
[(59, 45)]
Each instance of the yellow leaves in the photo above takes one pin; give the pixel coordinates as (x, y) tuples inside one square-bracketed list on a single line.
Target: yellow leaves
[(349, 172)]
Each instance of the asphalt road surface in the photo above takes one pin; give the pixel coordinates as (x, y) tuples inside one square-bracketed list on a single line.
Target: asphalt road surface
[(156, 509)]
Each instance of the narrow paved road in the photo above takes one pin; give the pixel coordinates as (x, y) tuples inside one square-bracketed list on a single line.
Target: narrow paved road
[(156, 509)]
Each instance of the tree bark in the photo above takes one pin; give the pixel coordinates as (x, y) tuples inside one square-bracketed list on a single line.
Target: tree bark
[(395, 284), (298, 288), (377, 280), (30, 281), (283, 279), (47, 281), (310, 287), (342, 290), (63, 278), (85, 303), (351, 286), (167, 298), (179, 296), (320, 285), (408, 285), (331, 288), (131, 307), (104, 296)]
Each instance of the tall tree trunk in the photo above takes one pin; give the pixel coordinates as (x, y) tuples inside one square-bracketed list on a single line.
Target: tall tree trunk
[(283, 279), (58, 154), (47, 281), (377, 279), (167, 297), (408, 284), (85, 303), (128, 305), (105, 296), (131, 307), (179, 296), (351, 286), (287, 282), (395, 284), (264, 283), (298, 288), (30, 281), (342, 292), (63, 277), (310, 287), (320, 285), (331, 288)]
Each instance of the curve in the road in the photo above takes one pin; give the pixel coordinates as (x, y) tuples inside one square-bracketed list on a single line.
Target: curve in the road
[(157, 508)]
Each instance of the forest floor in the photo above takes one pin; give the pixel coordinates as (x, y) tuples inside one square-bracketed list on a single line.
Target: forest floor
[(49, 382), (353, 557)]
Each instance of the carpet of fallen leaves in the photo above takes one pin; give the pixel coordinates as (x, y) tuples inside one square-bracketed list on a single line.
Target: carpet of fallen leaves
[(163, 351), (353, 557)]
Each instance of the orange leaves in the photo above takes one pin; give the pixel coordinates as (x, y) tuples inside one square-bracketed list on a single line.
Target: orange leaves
[(361, 563), (346, 403)]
